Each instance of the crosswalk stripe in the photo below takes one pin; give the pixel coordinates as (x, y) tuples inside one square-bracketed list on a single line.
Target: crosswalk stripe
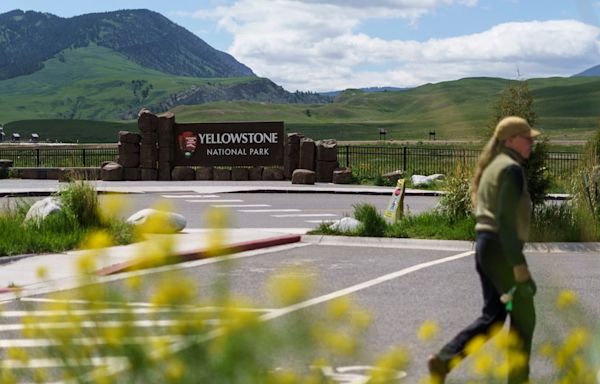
[(189, 196), (103, 324), (239, 205), (268, 210), (84, 341), (215, 201), (307, 215)]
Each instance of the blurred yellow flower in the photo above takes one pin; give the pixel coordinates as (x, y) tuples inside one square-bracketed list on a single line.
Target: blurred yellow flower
[(566, 299), (42, 272), (290, 286), (388, 365), (97, 240), (428, 330), (174, 290), (86, 264), (174, 370), (483, 364), (111, 206), (339, 308), (18, 354), (475, 344)]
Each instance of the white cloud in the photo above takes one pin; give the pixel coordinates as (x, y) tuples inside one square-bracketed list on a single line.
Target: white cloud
[(316, 45)]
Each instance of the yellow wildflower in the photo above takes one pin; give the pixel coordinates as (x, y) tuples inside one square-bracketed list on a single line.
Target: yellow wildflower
[(566, 299), (428, 330)]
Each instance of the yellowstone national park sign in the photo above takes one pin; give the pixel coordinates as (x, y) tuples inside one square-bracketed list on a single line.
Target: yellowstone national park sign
[(229, 144)]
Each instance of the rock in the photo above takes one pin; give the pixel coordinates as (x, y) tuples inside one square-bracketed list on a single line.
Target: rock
[(345, 224), (111, 172), (417, 180), (303, 176), (42, 209), (168, 222), (342, 176), (183, 174), (394, 176), (272, 174)]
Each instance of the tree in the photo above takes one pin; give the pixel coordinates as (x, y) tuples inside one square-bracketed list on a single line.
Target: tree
[(517, 100)]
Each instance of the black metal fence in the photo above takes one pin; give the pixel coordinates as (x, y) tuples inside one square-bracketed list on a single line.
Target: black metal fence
[(370, 161), (365, 161), (47, 157)]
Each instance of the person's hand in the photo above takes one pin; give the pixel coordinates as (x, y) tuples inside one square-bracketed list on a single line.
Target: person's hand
[(521, 273)]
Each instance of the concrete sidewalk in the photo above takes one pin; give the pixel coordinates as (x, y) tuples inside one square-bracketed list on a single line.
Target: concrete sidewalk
[(22, 273)]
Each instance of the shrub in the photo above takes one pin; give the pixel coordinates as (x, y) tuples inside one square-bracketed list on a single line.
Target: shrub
[(81, 198), (372, 223), (456, 203)]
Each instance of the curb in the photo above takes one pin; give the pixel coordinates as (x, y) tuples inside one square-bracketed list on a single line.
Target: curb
[(201, 254), (447, 245)]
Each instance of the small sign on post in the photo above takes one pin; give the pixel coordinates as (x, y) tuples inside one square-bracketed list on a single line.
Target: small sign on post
[(395, 208)]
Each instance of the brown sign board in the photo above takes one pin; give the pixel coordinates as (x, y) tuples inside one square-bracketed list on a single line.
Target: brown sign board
[(229, 144)]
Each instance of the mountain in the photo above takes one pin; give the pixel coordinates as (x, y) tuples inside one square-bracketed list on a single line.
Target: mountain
[(365, 90), (593, 71), (107, 66), (27, 39)]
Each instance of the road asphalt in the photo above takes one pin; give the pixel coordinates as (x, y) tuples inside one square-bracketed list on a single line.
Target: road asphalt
[(29, 274)]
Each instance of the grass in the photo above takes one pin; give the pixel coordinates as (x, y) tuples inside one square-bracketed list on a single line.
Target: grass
[(95, 83), (62, 231), (553, 222)]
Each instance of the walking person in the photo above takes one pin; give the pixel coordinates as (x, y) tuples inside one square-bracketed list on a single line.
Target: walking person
[(503, 211)]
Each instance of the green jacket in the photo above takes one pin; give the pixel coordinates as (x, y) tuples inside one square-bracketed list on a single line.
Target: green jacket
[(504, 205)]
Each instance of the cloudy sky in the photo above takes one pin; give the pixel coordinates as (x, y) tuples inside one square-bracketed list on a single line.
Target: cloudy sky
[(323, 45)]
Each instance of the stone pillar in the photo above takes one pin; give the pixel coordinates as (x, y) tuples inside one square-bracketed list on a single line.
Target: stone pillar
[(291, 156), (307, 154), (148, 126), (326, 160), (166, 143)]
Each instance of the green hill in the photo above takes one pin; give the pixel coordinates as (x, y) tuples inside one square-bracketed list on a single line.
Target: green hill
[(147, 38), (97, 83), (567, 108)]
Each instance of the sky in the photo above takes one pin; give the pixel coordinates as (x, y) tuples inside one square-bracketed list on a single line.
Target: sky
[(325, 45)]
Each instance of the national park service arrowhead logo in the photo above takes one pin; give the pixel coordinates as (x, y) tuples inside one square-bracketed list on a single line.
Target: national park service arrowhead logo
[(188, 142)]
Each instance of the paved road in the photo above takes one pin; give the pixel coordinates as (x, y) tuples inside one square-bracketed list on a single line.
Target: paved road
[(260, 210), (402, 286)]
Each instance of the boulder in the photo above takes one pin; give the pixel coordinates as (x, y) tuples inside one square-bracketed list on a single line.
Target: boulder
[(421, 180), (255, 173), (239, 174), (345, 224), (342, 176), (112, 172), (204, 173), (394, 176), (43, 208), (303, 176), (183, 174), (155, 221), (272, 174)]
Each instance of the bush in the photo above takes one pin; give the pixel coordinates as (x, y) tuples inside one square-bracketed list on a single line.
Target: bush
[(456, 203), (81, 198), (372, 223)]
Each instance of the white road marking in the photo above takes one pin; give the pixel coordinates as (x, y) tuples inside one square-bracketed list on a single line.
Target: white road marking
[(239, 205), (268, 210), (317, 221), (119, 311), (105, 324), (215, 201), (218, 332), (358, 287), (88, 341), (189, 196), (306, 215)]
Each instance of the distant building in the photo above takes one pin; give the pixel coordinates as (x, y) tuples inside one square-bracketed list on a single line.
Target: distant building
[(16, 137), (34, 138)]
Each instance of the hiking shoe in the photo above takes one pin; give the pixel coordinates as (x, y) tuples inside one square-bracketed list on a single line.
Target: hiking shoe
[(437, 369)]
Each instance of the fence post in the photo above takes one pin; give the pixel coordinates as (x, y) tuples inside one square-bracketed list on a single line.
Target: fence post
[(347, 156), (83, 155), (404, 159), (37, 157)]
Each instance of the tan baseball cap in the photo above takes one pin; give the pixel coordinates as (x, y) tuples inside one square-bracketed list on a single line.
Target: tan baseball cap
[(514, 126)]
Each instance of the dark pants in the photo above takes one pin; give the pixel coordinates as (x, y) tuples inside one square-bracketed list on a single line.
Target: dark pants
[(497, 277)]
